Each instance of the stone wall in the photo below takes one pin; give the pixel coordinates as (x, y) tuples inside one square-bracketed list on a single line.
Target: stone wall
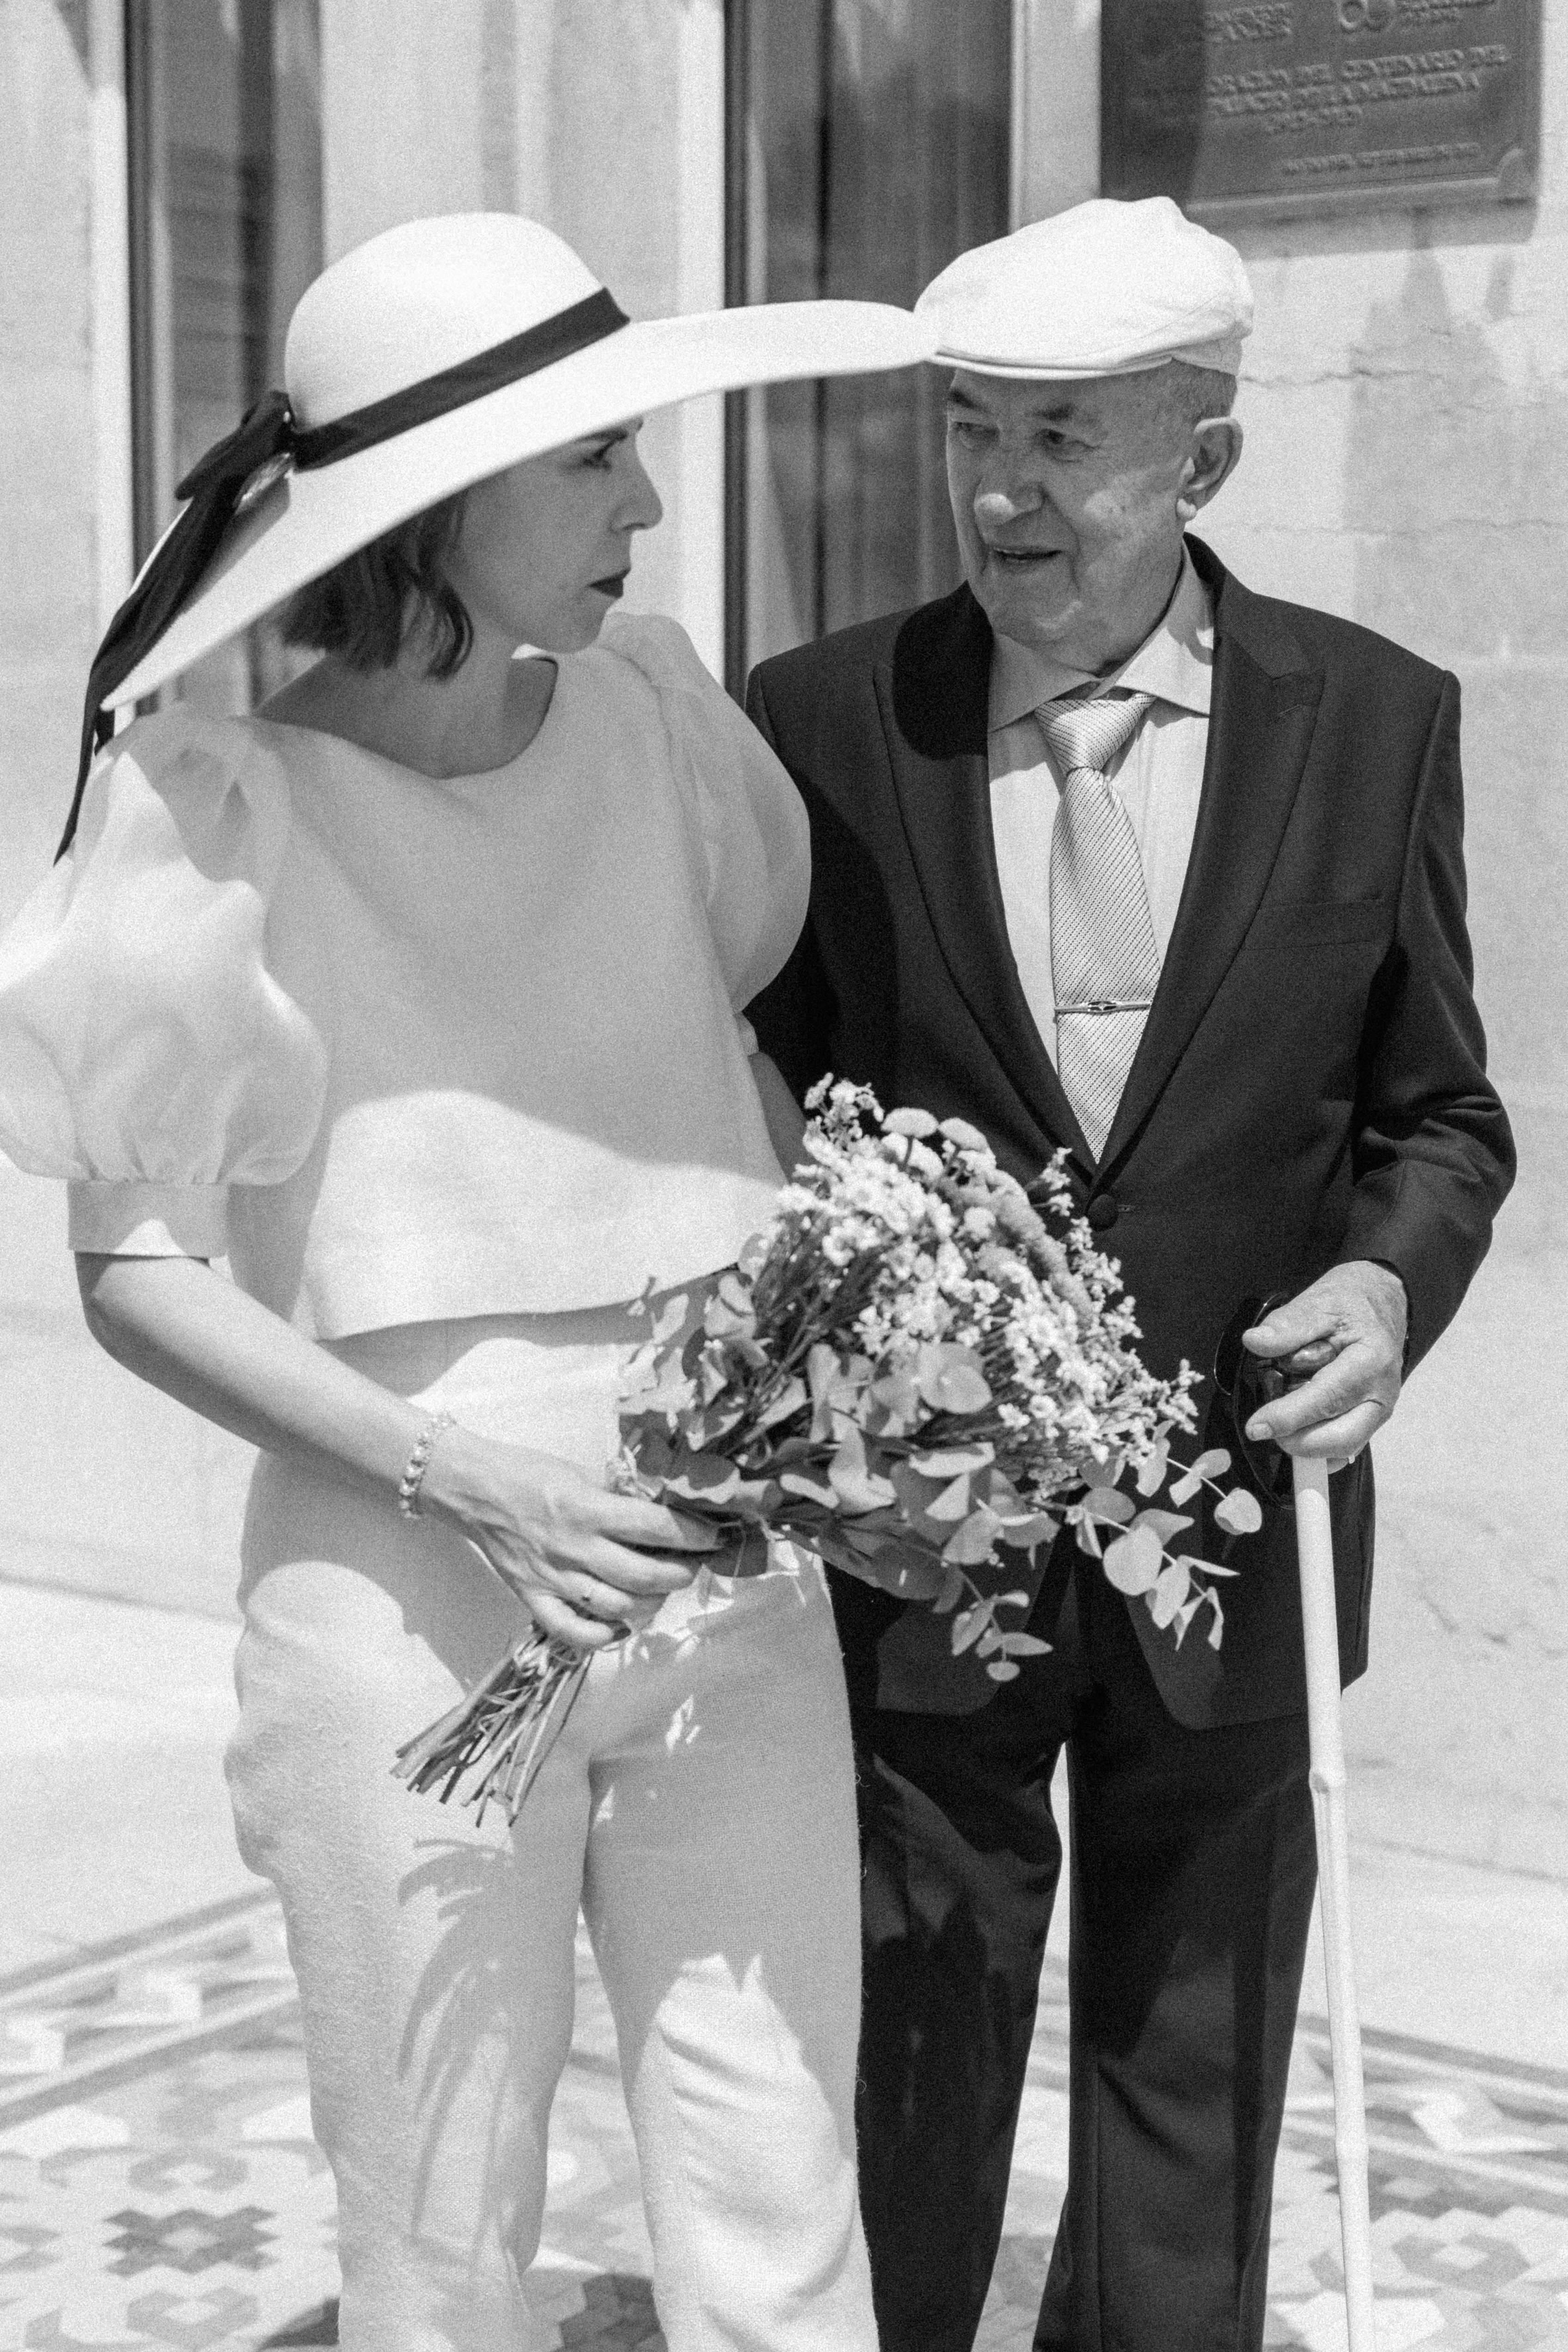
[(1405, 397)]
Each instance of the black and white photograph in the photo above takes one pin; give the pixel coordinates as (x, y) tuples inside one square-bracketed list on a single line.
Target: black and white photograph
[(783, 1232)]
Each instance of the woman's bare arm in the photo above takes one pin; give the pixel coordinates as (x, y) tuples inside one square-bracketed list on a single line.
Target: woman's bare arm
[(560, 1543), (785, 1120)]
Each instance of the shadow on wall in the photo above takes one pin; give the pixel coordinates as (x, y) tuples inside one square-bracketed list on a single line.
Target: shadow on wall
[(73, 16), (1442, 473)]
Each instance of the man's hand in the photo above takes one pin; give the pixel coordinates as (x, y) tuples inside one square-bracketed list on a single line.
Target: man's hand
[(1347, 1330)]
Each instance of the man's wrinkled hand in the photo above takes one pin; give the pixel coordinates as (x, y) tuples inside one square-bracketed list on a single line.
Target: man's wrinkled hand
[(1346, 1330)]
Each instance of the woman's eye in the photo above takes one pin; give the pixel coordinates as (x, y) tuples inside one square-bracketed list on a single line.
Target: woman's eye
[(601, 459)]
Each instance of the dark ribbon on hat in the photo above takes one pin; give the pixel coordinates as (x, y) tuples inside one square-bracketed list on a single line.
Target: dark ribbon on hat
[(268, 436)]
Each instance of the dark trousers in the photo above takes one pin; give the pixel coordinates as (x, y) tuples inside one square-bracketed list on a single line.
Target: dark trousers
[(1192, 1881)]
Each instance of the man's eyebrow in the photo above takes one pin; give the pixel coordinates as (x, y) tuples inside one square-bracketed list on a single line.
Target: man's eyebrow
[(1060, 411)]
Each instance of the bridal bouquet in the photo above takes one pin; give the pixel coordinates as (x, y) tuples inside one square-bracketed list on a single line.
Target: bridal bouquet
[(914, 1375)]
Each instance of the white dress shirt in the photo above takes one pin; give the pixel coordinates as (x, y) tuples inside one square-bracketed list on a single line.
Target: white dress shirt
[(1159, 776)]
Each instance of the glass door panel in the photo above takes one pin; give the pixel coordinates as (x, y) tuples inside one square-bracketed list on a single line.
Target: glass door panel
[(225, 175), (874, 148)]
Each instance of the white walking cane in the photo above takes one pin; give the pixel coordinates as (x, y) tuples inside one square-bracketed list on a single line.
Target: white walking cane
[(1249, 1382), (1314, 1542)]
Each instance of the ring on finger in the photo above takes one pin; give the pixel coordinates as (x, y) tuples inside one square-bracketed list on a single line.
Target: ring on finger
[(601, 1601)]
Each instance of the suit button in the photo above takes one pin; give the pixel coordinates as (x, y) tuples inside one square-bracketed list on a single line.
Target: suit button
[(1103, 1210)]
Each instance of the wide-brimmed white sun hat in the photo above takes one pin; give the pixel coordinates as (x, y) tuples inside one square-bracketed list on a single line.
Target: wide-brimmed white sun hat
[(435, 355), (1107, 287)]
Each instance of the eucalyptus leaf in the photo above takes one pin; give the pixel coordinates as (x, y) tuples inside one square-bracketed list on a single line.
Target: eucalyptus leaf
[(1026, 1535), (1241, 1513), (794, 1483), (707, 1474), (1149, 1476), (670, 1317), (1133, 1562), (851, 1480), (1170, 1589), (1163, 1524), (950, 1378), (689, 1490), (955, 1584), (974, 1541), (952, 1503), (966, 1629)]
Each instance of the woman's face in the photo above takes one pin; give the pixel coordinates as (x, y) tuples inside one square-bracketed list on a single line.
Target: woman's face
[(545, 546)]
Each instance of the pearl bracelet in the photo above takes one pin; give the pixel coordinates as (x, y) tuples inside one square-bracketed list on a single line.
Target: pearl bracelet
[(413, 1478)]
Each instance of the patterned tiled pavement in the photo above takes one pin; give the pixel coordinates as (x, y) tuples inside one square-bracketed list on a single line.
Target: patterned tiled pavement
[(159, 2186)]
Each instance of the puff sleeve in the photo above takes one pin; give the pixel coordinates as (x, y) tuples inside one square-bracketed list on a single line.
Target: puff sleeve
[(147, 1053), (746, 816)]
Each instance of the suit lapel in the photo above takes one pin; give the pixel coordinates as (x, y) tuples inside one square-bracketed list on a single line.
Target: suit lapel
[(933, 696), (1263, 708)]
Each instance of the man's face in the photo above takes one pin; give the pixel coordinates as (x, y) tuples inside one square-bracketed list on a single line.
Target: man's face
[(1065, 496)]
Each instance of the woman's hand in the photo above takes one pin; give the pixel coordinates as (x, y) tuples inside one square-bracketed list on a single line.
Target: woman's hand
[(577, 1556)]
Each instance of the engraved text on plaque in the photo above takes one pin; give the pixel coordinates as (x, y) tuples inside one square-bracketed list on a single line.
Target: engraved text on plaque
[(1238, 106)]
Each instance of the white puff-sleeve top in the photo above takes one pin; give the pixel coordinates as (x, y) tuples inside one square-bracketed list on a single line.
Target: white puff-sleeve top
[(403, 1049)]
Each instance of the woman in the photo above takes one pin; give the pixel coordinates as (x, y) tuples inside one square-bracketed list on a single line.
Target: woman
[(417, 995)]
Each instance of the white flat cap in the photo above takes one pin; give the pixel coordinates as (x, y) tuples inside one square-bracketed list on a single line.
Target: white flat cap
[(1107, 289)]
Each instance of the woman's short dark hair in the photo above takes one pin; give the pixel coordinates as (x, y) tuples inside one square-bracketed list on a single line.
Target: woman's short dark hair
[(367, 608)]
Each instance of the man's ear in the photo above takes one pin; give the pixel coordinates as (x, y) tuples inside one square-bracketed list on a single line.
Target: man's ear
[(1213, 457)]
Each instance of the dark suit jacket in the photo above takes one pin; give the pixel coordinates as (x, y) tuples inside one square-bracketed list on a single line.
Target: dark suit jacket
[(1310, 1085)]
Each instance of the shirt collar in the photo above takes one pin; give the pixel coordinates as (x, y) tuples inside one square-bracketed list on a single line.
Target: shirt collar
[(1174, 663)]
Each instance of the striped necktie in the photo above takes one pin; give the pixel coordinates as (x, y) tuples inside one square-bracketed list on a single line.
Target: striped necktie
[(1105, 962)]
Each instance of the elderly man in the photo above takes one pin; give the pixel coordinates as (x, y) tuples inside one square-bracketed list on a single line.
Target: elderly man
[(1115, 857)]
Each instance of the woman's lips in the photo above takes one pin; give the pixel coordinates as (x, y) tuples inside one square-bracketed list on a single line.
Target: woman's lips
[(613, 584)]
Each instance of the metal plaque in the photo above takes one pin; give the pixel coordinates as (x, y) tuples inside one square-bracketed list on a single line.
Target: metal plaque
[(1247, 108)]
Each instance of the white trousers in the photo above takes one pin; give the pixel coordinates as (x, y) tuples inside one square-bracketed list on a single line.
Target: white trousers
[(698, 1807)]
